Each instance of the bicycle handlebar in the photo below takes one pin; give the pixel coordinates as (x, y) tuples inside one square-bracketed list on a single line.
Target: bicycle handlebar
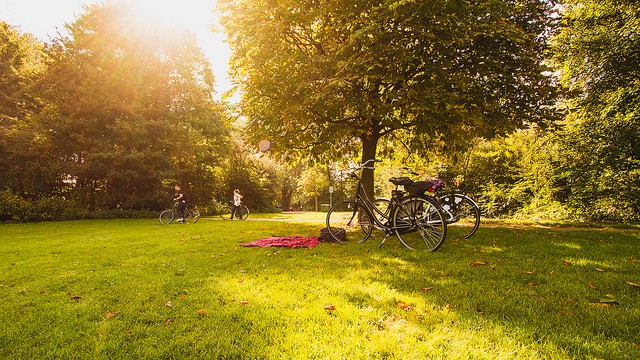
[(406, 170), (365, 165)]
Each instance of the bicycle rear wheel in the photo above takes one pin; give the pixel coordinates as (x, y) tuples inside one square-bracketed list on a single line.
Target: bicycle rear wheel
[(225, 213), (191, 215), (350, 217), (462, 214), (244, 212), (419, 223), (166, 217)]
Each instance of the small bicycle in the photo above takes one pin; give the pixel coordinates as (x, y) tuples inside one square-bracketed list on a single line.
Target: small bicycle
[(461, 212), (417, 221), (190, 215), (241, 214)]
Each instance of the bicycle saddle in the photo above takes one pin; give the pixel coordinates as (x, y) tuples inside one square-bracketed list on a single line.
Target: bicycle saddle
[(403, 180)]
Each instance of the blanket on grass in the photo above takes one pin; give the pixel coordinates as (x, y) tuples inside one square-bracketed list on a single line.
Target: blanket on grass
[(286, 241)]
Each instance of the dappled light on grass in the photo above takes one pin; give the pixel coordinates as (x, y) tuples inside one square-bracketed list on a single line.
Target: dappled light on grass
[(173, 286)]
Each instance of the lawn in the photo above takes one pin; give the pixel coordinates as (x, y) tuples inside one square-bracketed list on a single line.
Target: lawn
[(120, 289)]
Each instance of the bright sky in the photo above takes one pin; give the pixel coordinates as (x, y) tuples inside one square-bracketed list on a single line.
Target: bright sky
[(45, 18)]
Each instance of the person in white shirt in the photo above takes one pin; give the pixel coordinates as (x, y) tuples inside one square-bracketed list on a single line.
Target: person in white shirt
[(237, 201)]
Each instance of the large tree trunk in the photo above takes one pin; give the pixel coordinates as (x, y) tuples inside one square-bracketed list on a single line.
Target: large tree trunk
[(369, 146)]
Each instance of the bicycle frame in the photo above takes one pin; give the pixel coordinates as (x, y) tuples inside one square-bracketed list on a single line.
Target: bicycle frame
[(361, 198)]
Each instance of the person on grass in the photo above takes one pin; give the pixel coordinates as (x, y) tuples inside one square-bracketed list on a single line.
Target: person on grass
[(237, 201), (181, 198)]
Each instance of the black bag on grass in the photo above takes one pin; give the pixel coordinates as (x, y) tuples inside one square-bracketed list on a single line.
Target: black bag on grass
[(326, 236)]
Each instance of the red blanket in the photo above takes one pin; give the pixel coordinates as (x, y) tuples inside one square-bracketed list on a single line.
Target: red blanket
[(286, 241)]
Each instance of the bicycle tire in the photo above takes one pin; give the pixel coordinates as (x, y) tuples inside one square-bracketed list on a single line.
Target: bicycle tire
[(462, 214), (351, 218), (166, 217), (192, 215), (244, 212), (419, 223), (225, 213)]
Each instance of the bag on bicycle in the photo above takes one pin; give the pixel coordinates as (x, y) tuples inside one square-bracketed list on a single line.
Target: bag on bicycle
[(325, 235), (420, 187)]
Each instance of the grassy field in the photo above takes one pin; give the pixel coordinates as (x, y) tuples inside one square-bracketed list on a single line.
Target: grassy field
[(122, 289)]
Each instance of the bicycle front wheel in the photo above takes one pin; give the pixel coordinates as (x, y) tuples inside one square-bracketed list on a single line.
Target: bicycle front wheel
[(244, 212), (225, 213), (166, 217), (419, 223), (462, 214), (192, 215), (351, 218)]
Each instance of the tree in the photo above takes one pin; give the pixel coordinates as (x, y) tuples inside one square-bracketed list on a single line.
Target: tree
[(23, 165), (130, 111), (597, 52), (338, 76)]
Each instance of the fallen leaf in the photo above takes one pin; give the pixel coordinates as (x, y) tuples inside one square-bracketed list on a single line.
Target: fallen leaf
[(168, 322), (319, 266), (112, 314), (527, 272), (244, 302), (591, 286), (633, 284), (479, 263), (636, 344), (427, 289), (74, 298), (631, 260), (404, 305), (566, 263), (448, 306), (330, 307), (182, 297), (600, 304), (243, 271), (168, 304), (202, 311), (41, 292), (608, 299)]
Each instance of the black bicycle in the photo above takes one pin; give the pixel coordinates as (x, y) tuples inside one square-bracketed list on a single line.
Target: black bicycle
[(242, 213), (461, 212), (190, 215), (417, 221)]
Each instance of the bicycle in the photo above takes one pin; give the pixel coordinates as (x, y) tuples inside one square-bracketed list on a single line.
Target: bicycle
[(242, 213), (416, 221), (461, 212), (167, 216)]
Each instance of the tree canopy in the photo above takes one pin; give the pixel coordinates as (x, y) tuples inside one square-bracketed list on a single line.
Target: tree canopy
[(336, 76), (597, 53)]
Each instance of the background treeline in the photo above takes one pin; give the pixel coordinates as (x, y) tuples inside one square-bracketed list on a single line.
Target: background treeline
[(103, 121)]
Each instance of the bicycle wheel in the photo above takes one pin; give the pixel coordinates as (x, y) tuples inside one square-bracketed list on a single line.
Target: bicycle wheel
[(166, 217), (225, 213), (351, 218), (462, 214), (381, 209), (419, 223), (244, 212), (191, 215)]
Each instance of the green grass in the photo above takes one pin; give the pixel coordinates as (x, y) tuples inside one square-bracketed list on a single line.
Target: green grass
[(100, 289)]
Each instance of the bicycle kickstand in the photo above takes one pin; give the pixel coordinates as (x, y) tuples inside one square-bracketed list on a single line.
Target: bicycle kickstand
[(383, 240)]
